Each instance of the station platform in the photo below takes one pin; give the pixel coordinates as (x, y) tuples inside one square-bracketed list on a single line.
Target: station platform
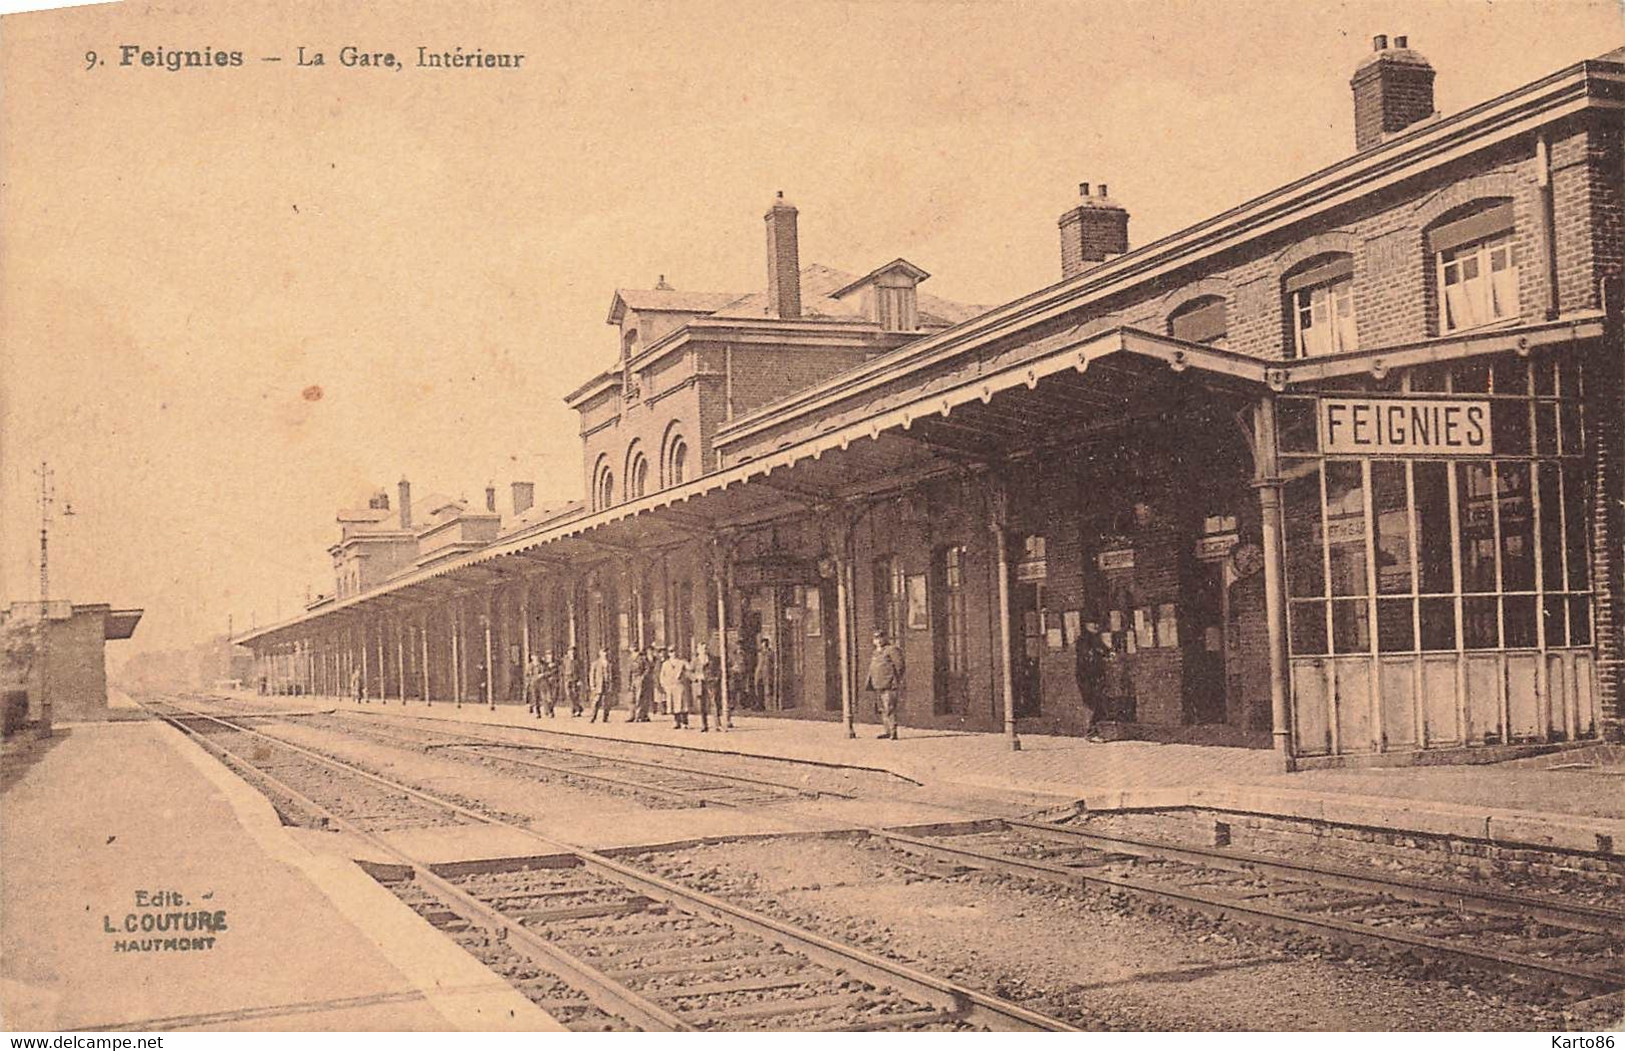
[(1575, 805), (110, 825)]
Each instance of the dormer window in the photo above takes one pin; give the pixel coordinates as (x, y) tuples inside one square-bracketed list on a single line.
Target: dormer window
[(897, 308), (1476, 266), (1322, 305)]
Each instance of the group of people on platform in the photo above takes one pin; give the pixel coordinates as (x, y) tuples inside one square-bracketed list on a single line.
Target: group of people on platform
[(659, 680)]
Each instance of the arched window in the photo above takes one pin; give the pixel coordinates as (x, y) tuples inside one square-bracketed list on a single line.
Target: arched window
[(674, 467), (603, 485), (637, 473), (679, 462), (1320, 304), (1474, 252), (1200, 320)]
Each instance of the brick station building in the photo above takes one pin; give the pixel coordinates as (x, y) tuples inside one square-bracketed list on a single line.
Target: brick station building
[(1336, 472)]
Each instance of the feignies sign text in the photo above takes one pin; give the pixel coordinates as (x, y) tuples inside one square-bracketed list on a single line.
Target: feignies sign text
[(1404, 426)]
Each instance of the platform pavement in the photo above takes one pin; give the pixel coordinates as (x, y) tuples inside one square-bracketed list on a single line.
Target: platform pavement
[(101, 811), (1508, 803)]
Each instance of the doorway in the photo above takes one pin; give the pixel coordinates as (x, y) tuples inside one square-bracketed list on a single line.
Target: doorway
[(1026, 652)]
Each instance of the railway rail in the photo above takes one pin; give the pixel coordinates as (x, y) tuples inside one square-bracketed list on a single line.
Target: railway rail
[(1578, 947), (665, 783), (604, 944)]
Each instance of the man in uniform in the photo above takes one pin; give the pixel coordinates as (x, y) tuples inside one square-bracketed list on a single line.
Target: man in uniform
[(570, 680), (1089, 671), (533, 685), (355, 686), (637, 667), (601, 685), (886, 679), (708, 671), (766, 682)]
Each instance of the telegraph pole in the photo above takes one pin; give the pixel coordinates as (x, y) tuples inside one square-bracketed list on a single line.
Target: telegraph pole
[(47, 498)]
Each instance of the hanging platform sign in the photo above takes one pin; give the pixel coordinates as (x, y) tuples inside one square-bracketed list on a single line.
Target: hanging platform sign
[(1032, 571), (775, 571), (1216, 547), (1405, 427), (1121, 558)]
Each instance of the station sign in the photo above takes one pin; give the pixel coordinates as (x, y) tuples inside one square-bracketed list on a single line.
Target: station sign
[(1405, 426)]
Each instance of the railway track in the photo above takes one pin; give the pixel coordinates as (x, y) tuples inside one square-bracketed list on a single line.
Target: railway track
[(602, 944), (1541, 939), (664, 783), (1580, 948)]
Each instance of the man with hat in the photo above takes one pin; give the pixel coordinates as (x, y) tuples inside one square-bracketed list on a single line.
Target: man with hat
[(886, 678)]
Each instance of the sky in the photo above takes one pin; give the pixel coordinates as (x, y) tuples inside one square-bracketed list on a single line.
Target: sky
[(188, 257)]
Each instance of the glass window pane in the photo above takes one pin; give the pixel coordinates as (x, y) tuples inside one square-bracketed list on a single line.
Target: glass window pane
[(1295, 420), (1433, 528), (1425, 378), (1471, 377), (1308, 628), (1351, 626), (1511, 376), (1569, 424), (1518, 617), (1438, 623), (1545, 427), (1509, 423), (1479, 623), (1476, 501), (1551, 528), (1574, 524), (1395, 629), (1504, 291), (1517, 527), (1393, 528), (1543, 377), (1580, 620), (1345, 527), (1556, 613), (1305, 565)]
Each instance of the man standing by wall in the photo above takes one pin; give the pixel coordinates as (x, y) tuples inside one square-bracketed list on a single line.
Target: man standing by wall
[(886, 678)]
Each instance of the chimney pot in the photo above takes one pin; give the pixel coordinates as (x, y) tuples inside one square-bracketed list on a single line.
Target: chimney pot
[(1392, 91), (1092, 231), (1379, 42), (1083, 189), (405, 488), (490, 497), (783, 260)]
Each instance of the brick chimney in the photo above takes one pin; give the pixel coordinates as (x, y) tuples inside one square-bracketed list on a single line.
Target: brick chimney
[(783, 260), (405, 488), (1393, 89), (524, 495), (490, 497), (1092, 232)]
